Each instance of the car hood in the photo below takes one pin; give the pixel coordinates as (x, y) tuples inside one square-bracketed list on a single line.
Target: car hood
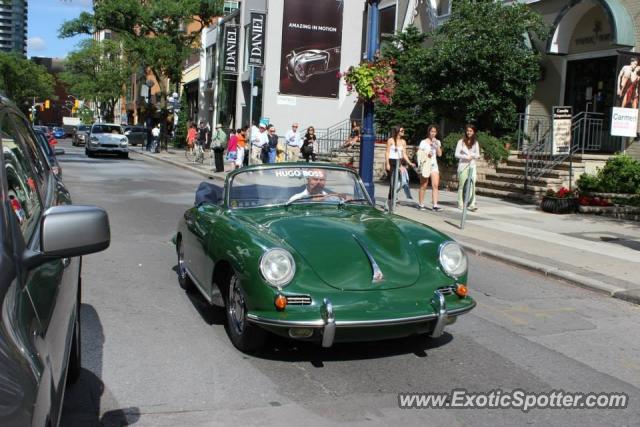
[(344, 246)]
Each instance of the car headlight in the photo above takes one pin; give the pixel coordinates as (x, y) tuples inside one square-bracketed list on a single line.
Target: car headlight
[(453, 259), (124, 142), (94, 140), (277, 267)]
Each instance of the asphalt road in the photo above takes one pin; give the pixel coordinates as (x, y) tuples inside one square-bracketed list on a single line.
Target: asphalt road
[(154, 355)]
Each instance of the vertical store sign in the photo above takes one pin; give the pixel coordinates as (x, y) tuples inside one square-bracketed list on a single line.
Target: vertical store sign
[(256, 39), (624, 117), (561, 130), (230, 64)]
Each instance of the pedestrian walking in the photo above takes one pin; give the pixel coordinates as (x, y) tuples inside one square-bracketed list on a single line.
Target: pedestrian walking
[(467, 152), (293, 143), (218, 145), (308, 145), (428, 152), (396, 151), (258, 140), (232, 148), (155, 136), (241, 143), (192, 134), (269, 149), (203, 135)]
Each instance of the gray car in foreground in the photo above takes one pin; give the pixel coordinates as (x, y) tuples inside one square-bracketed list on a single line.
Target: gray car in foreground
[(42, 239)]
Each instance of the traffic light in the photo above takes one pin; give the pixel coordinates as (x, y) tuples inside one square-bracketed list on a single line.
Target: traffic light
[(76, 104), (47, 104)]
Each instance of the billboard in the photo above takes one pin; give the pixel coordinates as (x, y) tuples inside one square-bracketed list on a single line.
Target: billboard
[(311, 47), (624, 120)]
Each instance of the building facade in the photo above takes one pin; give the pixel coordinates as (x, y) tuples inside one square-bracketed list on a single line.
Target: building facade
[(13, 26)]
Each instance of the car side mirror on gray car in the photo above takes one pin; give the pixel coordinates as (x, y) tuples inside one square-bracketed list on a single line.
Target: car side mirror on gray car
[(69, 231)]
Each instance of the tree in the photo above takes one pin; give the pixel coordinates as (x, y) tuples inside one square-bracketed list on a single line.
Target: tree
[(180, 135), (412, 105), (98, 71), (22, 80), (152, 31), (481, 67)]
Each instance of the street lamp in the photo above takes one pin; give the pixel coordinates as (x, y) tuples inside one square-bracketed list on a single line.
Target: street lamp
[(367, 147)]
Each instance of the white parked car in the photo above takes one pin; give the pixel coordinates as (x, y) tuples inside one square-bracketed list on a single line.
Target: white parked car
[(107, 138)]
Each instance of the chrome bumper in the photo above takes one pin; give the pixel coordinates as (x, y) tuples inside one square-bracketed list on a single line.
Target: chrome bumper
[(329, 324)]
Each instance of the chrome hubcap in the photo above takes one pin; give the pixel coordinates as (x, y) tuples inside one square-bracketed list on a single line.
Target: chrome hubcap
[(236, 306)]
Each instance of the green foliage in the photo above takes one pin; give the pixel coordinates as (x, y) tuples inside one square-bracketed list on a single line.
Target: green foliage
[(97, 71), (588, 184), (21, 80), (492, 148), (86, 115), (372, 80), (412, 105), (480, 69), (621, 174), (180, 136), (449, 149), (151, 33)]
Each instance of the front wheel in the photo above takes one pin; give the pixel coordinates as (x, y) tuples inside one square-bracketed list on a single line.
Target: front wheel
[(245, 336), (190, 154)]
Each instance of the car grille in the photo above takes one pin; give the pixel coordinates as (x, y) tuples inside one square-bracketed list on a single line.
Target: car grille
[(298, 300), (109, 145), (447, 290)]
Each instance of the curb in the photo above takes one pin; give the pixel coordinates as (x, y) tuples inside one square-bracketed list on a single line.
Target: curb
[(631, 295)]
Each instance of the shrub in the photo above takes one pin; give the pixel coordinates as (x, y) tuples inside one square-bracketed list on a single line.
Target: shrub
[(621, 174)]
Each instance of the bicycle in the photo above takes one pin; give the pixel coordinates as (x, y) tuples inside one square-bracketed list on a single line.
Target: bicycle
[(194, 153)]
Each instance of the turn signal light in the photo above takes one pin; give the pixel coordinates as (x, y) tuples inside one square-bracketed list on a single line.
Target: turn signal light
[(461, 290), (280, 302)]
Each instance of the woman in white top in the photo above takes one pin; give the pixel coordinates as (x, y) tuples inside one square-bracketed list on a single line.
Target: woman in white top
[(396, 151), (467, 152), (428, 152)]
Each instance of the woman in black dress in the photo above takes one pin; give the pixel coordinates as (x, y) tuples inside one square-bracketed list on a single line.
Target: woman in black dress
[(307, 150)]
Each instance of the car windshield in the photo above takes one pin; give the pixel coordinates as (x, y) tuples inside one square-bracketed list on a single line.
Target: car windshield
[(287, 185), (106, 129), (83, 128), (44, 145)]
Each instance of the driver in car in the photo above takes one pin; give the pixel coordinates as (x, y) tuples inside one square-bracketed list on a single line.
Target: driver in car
[(314, 190)]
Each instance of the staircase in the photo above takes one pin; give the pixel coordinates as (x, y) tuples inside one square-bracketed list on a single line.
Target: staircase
[(507, 180)]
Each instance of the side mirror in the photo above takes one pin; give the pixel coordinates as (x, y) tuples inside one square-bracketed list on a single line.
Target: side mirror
[(59, 151), (69, 231)]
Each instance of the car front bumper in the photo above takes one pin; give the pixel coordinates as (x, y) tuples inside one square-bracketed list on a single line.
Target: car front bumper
[(106, 149), (329, 322)]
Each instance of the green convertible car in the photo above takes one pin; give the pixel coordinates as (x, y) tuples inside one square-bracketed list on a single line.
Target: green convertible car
[(300, 250)]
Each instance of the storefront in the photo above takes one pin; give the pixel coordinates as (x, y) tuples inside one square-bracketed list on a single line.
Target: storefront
[(580, 63)]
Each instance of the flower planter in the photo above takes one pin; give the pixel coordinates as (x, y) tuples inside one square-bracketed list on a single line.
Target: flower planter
[(559, 205)]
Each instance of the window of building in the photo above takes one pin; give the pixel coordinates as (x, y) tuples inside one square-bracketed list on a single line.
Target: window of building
[(230, 6), (387, 23), (444, 7)]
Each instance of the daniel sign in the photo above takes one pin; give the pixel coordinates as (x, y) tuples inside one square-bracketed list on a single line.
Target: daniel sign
[(624, 122)]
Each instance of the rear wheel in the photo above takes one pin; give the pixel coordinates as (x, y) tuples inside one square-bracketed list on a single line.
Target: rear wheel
[(190, 154), (183, 278), (245, 336)]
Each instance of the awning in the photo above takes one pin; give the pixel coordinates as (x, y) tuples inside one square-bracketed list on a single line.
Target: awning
[(620, 21)]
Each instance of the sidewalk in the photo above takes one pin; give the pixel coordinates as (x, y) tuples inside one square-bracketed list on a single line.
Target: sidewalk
[(598, 253)]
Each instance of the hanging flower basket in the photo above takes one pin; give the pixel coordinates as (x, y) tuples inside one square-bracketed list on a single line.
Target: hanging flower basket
[(371, 80)]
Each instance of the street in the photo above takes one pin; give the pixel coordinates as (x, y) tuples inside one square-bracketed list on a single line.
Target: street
[(154, 355)]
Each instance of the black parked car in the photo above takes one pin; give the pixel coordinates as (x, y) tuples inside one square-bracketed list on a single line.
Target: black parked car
[(42, 237), (136, 135)]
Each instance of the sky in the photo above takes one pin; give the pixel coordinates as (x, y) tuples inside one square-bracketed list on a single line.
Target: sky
[(45, 18)]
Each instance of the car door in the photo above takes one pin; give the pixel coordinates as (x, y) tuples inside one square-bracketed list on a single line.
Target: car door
[(52, 287)]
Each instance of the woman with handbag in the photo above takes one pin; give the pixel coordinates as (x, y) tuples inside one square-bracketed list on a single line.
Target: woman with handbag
[(428, 152)]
